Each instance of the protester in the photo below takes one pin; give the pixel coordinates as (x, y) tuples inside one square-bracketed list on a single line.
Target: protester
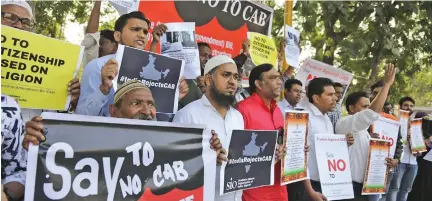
[(362, 114), (215, 109), (241, 92), (423, 180), (403, 179), (205, 53), (13, 157), (388, 108), (197, 86), (97, 44), (322, 99), (18, 14), (97, 81), (260, 112), (292, 95), (336, 114)]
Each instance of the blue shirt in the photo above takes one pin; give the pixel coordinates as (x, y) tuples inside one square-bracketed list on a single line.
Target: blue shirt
[(92, 101)]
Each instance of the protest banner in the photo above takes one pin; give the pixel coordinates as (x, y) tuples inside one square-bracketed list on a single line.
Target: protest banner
[(375, 180), (179, 42), (125, 6), (404, 121), (99, 158), (294, 164), (388, 130), (262, 49), (416, 136), (161, 74), (250, 160), (292, 46), (312, 69), (34, 70), (221, 24), (333, 166)]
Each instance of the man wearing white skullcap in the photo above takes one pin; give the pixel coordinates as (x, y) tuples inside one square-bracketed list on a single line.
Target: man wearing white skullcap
[(215, 110), (17, 14)]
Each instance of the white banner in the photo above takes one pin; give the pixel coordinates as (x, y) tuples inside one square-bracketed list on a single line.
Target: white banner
[(333, 166), (312, 69), (179, 42), (292, 50), (125, 6), (388, 130)]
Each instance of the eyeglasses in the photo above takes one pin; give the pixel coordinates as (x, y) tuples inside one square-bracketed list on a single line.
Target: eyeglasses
[(13, 19)]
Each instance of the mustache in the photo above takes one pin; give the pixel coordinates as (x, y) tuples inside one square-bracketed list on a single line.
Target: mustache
[(142, 116)]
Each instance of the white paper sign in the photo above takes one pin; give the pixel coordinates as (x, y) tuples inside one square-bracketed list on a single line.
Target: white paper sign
[(125, 6), (388, 130), (292, 50), (179, 42), (334, 166), (312, 69)]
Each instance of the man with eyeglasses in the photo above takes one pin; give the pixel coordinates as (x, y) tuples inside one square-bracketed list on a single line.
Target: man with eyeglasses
[(292, 95), (19, 15)]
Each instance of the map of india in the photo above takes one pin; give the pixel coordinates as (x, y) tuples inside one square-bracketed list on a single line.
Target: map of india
[(251, 149), (149, 71)]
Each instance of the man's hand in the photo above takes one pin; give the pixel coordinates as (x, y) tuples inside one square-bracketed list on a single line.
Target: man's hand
[(390, 73), (280, 152), (201, 83), (390, 162), (221, 156), (246, 46), (350, 139), (317, 196), (33, 132), (108, 73), (3, 195), (183, 88), (306, 148), (158, 31), (74, 89), (417, 154), (216, 145), (374, 135)]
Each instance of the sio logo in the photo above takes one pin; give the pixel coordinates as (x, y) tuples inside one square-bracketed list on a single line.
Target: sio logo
[(231, 185)]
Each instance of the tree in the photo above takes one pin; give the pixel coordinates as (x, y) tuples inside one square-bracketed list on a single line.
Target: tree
[(361, 37), (51, 16)]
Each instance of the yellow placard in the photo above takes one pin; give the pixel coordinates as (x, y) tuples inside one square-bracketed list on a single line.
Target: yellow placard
[(37, 69), (262, 49)]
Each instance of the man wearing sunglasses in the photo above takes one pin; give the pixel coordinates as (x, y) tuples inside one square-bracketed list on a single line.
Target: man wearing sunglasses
[(18, 14)]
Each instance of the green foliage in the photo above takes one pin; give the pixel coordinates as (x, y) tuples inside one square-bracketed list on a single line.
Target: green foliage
[(361, 36), (51, 16)]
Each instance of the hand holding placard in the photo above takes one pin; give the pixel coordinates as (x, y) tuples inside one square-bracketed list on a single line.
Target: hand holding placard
[(108, 73)]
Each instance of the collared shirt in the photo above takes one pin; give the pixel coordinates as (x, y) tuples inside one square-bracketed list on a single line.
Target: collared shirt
[(202, 112), (92, 101), (335, 115), (14, 157), (284, 106), (91, 47), (319, 123), (357, 125), (257, 116)]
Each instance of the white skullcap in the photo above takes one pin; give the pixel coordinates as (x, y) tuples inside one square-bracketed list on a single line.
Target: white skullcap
[(21, 3), (217, 61)]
